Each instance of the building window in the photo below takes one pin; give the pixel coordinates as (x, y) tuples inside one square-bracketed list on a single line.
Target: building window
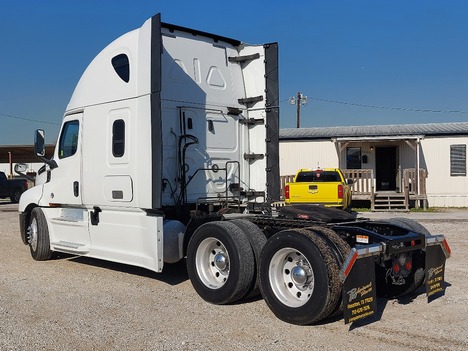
[(118, 138), (458, 160), (353, 158)]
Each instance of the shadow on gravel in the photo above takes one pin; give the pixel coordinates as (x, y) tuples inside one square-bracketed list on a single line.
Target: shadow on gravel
[(7, 206), (407, 299), (173, 274), (382, 303)]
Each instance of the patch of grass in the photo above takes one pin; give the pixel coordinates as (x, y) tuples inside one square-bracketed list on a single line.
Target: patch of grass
[(364, 209), (428, 210)]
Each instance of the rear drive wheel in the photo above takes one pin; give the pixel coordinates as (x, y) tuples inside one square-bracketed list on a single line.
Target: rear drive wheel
[(38, 236), (393, 282), (257, 240), (341, 249), (299, 277), (409, 224), (220, 262)]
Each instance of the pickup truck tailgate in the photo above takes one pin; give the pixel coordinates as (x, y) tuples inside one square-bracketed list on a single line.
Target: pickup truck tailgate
[(313, 193)]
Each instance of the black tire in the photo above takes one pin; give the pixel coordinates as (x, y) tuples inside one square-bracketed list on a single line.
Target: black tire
[(342, 249), (257, 240), (15, 197), (229, 278), (299, 276), (409, 224), (38, 236), (384, 280)]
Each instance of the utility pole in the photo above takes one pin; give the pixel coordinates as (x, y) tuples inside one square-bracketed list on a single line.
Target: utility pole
[(298, 101)]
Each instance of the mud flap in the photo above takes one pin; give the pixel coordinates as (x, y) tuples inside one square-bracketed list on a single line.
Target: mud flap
[(435, 269), (359, 291)]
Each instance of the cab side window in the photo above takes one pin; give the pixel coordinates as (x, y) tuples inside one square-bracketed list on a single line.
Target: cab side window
[(69, 139)]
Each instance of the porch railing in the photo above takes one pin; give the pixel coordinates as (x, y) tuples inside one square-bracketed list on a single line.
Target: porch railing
[(363, 182), (410, 181)]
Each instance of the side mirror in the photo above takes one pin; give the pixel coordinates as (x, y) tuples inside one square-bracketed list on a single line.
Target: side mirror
[(39, 148), (39, 143), (21, 168), (349, 181)]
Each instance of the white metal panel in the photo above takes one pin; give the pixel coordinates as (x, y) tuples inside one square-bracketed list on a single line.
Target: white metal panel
[(102, 171), (100, 83), (307, 154), (68, 225), (442, 188), (118, 188), (198, 85), (128, 236)]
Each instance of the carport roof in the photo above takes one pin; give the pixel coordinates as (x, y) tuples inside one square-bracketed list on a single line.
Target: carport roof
[(377, 132), (22, 153)]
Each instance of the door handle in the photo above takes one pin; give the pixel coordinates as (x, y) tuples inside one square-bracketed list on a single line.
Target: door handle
[(76, 188)]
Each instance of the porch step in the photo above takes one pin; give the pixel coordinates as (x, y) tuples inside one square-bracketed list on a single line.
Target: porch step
[(390, 202)]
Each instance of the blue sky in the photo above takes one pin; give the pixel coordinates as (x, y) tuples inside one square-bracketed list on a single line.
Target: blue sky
[(396, 55)]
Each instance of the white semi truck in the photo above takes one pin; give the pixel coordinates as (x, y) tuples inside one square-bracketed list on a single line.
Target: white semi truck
[(168, 150)]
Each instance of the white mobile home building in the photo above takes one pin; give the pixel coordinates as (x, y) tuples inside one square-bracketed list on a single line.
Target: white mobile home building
[(422, 164)]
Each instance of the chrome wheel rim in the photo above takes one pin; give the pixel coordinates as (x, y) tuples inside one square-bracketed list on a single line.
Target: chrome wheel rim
[(212, 262), (32, 234), (291, 277)]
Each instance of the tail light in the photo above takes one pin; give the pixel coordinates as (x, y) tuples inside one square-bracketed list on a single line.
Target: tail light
[(340, 191), (286, 192), (402, 265)]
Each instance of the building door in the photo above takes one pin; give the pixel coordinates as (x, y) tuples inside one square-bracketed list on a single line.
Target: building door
[(386, 168)]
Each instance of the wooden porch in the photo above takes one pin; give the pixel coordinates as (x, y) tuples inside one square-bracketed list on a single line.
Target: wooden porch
[(410, 192)]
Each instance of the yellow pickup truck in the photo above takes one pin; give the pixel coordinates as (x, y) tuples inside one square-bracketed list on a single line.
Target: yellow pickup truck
[(326, 186)]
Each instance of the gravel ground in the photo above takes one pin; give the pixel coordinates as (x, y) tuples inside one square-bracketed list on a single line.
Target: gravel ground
[(71, 303)]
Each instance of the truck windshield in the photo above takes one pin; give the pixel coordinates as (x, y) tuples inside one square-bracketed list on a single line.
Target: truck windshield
[(320, 176)]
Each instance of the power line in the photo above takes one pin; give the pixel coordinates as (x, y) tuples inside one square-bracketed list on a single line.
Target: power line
[(27, 119), (387, 107), (382, 107)]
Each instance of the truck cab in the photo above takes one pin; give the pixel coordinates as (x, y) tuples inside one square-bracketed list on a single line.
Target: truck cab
[(153, 132)]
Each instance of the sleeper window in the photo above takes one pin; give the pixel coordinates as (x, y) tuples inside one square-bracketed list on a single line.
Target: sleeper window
[(122, 67), (118, 138)]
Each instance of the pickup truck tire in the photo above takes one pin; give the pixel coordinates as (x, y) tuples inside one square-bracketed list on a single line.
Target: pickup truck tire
[(220, 262), (257, 240), (38, 236), (299, 276), (16, 195), (416, 278)]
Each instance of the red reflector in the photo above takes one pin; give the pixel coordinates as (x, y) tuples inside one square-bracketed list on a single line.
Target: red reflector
[(340, 191), (286, 192), (351, 264), (396, 268), (447, 247), (408, 265)]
